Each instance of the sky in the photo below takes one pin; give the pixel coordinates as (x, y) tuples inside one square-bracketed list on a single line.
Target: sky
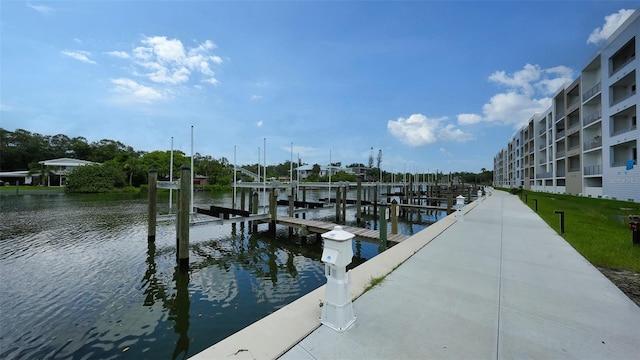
[(432, 84)]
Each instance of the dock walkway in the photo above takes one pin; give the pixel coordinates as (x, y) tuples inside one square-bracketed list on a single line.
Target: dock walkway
[(322, 227), (499, 285)]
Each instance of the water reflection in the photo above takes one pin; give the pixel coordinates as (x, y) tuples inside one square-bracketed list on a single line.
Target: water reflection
[(179, 313)]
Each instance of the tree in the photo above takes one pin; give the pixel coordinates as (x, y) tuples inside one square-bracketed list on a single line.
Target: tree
[(379, 158), (94, 179), (315, 170)]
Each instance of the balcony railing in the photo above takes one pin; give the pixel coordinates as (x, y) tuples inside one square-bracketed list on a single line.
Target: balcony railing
[(573, 146), (596, 142), (622, 97), (544, 175), (623, 130), (592, 117), (620, 66), (591, 92), (593, 170), (559, 115), (560, 153), (559, 134), (560, 173), (622, 163)]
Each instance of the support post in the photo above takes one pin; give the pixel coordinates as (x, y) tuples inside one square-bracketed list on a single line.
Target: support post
[(561, 213), (359, 202), (338, 202), (383, 228), (344, 203), (304, 200), (152, 202), (375, 200), (394, 217), (243, 199), (535, 204), (273, 202), (185, 207), (254, 210)]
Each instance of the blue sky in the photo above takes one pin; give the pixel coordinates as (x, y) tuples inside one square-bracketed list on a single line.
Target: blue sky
[(433, 84)]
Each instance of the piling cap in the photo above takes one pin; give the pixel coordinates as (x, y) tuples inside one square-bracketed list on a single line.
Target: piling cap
[(337, 234)]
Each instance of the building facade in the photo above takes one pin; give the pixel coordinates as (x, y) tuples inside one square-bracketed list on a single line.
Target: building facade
[(586, 142)]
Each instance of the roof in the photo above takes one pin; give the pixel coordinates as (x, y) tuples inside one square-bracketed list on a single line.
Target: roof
[(65, 162)]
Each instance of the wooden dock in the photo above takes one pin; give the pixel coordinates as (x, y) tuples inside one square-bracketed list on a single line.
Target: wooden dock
[(320, 227)]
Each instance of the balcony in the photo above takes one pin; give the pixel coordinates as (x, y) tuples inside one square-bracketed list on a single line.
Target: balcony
[(560, 173), (573, 146), (591, 92), (623, 163), (559, 115), (592, 117), (619, 97), (623, 130), (560, 153), (559, 134), (593, 170), (544, 175), (596, 142)]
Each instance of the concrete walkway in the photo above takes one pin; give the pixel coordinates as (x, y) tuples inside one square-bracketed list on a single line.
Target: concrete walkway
[(499, 285)]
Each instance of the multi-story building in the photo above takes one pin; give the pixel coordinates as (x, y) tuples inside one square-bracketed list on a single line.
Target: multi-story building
[(586, 142)]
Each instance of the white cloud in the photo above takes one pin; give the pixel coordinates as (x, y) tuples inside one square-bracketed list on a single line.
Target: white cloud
[(134, 91), (167, 61), (527, 91), (444, 152), (259, 123), (119, 54), (611, 24), (256, 97), (79, 55), (42, 9), (469, 119), (418, 130)]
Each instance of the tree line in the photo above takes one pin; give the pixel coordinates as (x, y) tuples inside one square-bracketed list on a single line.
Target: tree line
[(121, 165)]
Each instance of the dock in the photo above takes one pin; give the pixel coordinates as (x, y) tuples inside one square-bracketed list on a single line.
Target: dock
[(320, 227)]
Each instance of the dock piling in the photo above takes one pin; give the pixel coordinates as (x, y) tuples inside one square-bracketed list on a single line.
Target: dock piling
[(152, 203), (183, 217)]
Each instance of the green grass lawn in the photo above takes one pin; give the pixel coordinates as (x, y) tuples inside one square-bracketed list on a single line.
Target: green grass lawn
[(597, 228), (12, 188)]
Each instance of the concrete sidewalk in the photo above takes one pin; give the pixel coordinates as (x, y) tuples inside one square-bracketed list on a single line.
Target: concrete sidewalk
[(500, 284)]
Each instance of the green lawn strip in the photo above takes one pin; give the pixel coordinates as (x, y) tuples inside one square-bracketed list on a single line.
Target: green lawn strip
[(31, 188), (596, 228)]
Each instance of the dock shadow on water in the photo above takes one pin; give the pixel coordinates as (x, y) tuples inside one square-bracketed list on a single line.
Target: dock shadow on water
[(80, 280)]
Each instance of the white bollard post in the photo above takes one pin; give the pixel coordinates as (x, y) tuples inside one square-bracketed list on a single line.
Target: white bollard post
[(337, 309), (480, 195), (459, 206)]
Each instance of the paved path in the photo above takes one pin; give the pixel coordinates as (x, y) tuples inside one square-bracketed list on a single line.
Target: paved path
[(499, 285)]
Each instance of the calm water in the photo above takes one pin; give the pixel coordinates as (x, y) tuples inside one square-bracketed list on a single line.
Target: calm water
[(79, 280)]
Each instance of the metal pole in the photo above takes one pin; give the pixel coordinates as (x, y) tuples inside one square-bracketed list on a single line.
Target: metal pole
[(291, 165), (329, 197), (264, 177), (234, 178), (171, 178), (183, 231), (191, 203)]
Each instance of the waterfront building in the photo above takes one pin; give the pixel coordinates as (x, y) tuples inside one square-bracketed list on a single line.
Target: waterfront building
[(586, 142)]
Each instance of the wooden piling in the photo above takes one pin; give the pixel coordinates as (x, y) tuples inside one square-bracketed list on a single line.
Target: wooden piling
[(375, 200), (273, 208), (152, 203), (383, 228), (291, 204), (394, 217), (304, 199), (242, 199), (359, 202), (338, 201), (185, 204), (253, 208), (344, 202)]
